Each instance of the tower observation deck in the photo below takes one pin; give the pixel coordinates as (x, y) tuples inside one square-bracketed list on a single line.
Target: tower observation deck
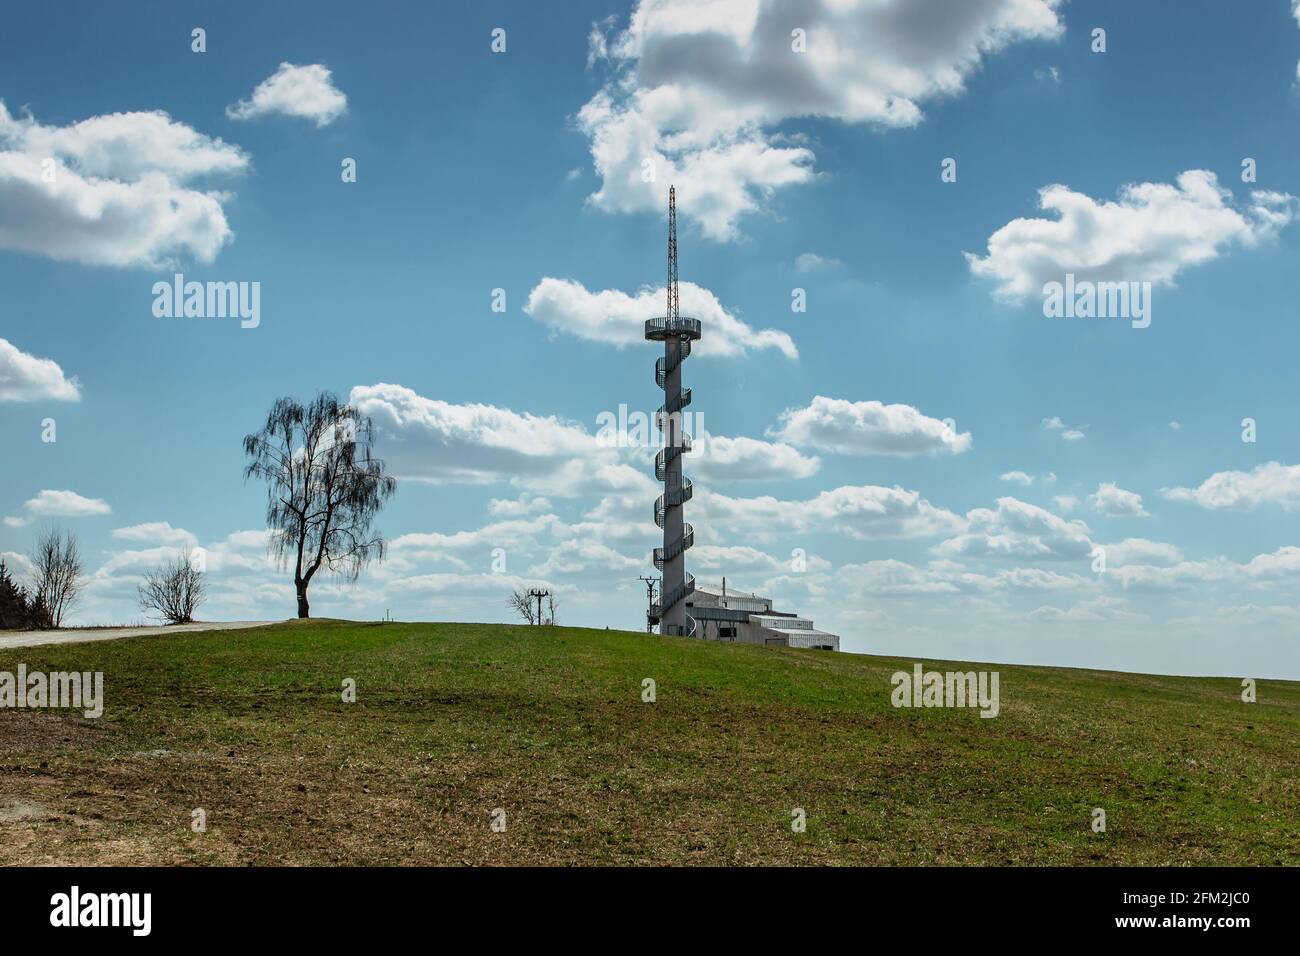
[(677, 333)]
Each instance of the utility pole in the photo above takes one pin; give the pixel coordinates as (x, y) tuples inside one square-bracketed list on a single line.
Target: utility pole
[(650, 601), (539, 593)]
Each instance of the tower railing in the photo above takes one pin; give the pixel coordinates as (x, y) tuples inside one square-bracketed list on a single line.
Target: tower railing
[(672, 406), (663, 365), (672, 499), (669, 326), (679, 593), (667, 454), (664, 555)]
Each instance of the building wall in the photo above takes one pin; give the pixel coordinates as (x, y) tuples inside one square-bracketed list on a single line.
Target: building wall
[(745, 604), (830, 641), (739, 632), (783, 623)]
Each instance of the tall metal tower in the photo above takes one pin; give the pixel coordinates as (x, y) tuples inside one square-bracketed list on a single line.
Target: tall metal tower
[(677, 334)]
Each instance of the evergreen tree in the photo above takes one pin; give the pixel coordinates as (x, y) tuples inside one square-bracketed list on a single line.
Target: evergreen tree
[(16, 611)]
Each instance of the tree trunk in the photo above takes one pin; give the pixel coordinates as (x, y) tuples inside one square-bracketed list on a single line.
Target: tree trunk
[(304, 610)]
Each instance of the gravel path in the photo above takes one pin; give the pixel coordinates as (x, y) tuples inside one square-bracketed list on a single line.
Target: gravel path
[(84, 635)]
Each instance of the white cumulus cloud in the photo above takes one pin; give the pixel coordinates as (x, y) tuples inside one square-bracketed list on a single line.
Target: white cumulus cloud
[(1267, 484), (26, 378), (740, 558), (113, 189), (425, 439), (1068, 432), (1018, 529), (303, 91), (1140, 551), (158, 532), (616, 318), (859, 511), (1151, 233), (869, 428), (525, 504), (65, 504), (697, 87), (1110, 499), (1102, 608), (811, 262), (898, 578), (719, 458)]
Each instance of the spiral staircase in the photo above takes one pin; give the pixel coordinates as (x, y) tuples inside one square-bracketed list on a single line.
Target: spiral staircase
[(677, 334)]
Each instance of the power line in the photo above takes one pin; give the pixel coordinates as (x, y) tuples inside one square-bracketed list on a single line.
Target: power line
[(539, 593)]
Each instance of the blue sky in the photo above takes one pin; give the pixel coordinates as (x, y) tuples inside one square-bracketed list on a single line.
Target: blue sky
[(816, 170)]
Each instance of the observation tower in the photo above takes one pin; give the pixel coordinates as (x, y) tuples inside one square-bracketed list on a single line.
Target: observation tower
[(677, 333)]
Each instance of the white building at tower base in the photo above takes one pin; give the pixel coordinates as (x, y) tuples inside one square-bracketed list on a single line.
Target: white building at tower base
[(725, 614)]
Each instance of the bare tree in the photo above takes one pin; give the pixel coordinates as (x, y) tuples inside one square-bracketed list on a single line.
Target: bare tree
[(56, 575), (528, 605), (323, 488), (175, 589), (522, 603)]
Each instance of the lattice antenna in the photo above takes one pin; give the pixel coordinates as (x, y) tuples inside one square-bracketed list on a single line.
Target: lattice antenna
[(673, 310)]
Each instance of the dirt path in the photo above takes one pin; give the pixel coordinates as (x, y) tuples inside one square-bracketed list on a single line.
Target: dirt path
[(84, 635)]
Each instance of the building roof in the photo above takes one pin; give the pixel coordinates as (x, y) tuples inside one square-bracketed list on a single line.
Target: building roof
[(800, 631), (730, 592)]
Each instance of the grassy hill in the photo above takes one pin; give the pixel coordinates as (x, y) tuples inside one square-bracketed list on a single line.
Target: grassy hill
[(455, 720)]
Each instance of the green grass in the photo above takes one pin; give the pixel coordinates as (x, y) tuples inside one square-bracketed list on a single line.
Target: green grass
[(455, 720)]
